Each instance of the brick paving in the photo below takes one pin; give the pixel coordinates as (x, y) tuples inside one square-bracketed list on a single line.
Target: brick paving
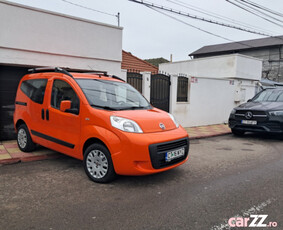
[(208, 131), (10, 153)]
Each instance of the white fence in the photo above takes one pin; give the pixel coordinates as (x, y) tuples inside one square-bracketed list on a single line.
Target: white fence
[(216, 86)]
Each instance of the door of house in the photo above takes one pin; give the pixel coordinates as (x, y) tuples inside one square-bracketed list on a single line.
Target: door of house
[(160, 91)]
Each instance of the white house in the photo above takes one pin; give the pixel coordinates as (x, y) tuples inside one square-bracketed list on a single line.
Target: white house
[(215, 86), (32, 37)]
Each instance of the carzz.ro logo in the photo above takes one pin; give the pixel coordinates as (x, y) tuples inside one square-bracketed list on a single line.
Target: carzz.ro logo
[(254, 221)]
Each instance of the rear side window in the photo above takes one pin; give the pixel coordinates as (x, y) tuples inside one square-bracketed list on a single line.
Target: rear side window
[(34, 89)]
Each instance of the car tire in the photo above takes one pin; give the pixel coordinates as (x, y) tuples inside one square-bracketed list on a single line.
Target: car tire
[(238, 132), (98, 164), (24, 140)]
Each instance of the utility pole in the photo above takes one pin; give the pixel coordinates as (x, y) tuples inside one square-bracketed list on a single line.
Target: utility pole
[(118, 18)]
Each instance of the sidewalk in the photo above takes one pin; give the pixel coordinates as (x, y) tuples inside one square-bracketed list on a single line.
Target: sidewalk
[(208, 131), (10, 153)]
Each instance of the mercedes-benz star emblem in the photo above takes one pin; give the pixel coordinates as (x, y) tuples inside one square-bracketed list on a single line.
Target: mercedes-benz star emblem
[(249, 115), (162, 126)]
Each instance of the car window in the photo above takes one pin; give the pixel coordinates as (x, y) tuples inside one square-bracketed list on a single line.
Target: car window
[(112, 95), (273, 96), (280, 97), (34, 89), (61, 91), (269, 96)]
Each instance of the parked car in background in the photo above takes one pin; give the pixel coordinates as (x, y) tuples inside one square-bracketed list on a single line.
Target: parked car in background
[(263, 113), (98, 119)]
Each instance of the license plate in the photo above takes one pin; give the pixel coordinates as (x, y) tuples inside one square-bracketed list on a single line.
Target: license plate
[(249, 122), (174, 154)]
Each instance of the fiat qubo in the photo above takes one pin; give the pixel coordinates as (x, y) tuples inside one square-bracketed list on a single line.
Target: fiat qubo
[(98, 119)]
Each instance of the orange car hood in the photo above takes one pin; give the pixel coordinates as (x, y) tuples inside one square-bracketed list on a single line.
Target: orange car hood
[(148, 120)]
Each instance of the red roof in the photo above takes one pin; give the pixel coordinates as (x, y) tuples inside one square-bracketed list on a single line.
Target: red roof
[(135, 64)]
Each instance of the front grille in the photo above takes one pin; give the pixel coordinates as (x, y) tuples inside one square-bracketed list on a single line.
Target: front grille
[(158, 152), (255, 112), (171, 146), (256, 115)]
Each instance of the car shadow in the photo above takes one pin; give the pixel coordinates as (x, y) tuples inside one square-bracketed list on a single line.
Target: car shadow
[(67, 163), (262, 136)]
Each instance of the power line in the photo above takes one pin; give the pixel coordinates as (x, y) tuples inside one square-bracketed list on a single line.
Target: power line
[(257, 10), (218, 16), (250, 11), (88, 8), (205, 31), (196, 17), (263, 8)]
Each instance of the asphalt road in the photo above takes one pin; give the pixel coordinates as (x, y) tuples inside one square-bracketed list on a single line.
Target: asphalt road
[(226, 176)]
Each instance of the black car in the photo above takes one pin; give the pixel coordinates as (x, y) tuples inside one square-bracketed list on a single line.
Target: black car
[(263, 113)]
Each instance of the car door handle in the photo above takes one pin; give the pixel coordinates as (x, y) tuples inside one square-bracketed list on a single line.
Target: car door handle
[(42, 114), (47, 114)]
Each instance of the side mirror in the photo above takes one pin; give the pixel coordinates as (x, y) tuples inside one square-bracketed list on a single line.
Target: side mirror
[(65, 105)]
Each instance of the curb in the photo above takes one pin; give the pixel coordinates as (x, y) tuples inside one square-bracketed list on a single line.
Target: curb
[(29, 159), (208, 136), (10, 161)]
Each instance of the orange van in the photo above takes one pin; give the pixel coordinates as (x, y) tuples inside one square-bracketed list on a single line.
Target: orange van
[(98, 119)]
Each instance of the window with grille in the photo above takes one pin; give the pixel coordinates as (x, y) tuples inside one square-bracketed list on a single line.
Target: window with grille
[(182, 89)]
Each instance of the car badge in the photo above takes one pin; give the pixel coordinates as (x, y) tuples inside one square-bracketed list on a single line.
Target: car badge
[(249, 115), (162, 126)]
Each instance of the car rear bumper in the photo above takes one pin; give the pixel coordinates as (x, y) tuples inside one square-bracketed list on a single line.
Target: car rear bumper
[(140, 153)]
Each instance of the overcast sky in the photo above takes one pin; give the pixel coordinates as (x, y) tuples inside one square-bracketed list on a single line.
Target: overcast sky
[(149, 34)]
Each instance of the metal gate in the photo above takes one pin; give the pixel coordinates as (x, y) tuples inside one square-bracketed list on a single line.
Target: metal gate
[(160, 91), (135, 79)]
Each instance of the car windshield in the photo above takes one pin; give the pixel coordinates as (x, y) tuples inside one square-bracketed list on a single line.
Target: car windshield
[(269, 95), (112, 95)]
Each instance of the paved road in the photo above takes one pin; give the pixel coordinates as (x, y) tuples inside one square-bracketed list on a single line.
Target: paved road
[(226, 176)]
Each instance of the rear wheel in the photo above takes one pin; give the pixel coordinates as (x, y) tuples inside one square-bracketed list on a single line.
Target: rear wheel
[(237, 132), (98, 164), (24, 140)]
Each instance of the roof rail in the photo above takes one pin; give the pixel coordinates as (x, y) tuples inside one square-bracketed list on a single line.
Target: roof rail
[(67, 71), (50, 69), (115, 77), (87, 71)]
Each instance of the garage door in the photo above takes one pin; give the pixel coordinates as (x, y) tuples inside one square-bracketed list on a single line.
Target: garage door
[(9, 80)]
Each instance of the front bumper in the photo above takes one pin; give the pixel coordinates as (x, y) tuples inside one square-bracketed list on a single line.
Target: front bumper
[(139, 154), (268, 125)]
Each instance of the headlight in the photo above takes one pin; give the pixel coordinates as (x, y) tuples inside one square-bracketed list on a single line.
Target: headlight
[(125, 124), (276, 113), (233, 111), (174, 120)]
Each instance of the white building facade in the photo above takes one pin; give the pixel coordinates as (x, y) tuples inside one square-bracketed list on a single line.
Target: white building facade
[(32, 37), (216, 86)]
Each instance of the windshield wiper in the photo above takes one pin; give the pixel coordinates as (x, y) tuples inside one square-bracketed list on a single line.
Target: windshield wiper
[(105, 107), (135, 107)]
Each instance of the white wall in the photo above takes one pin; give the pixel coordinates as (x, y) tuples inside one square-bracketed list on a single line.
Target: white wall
[(226, 66), (211, 100), (216, 86), (42, 38)]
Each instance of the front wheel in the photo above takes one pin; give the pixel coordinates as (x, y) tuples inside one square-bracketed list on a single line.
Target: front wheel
[(98, 164)]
